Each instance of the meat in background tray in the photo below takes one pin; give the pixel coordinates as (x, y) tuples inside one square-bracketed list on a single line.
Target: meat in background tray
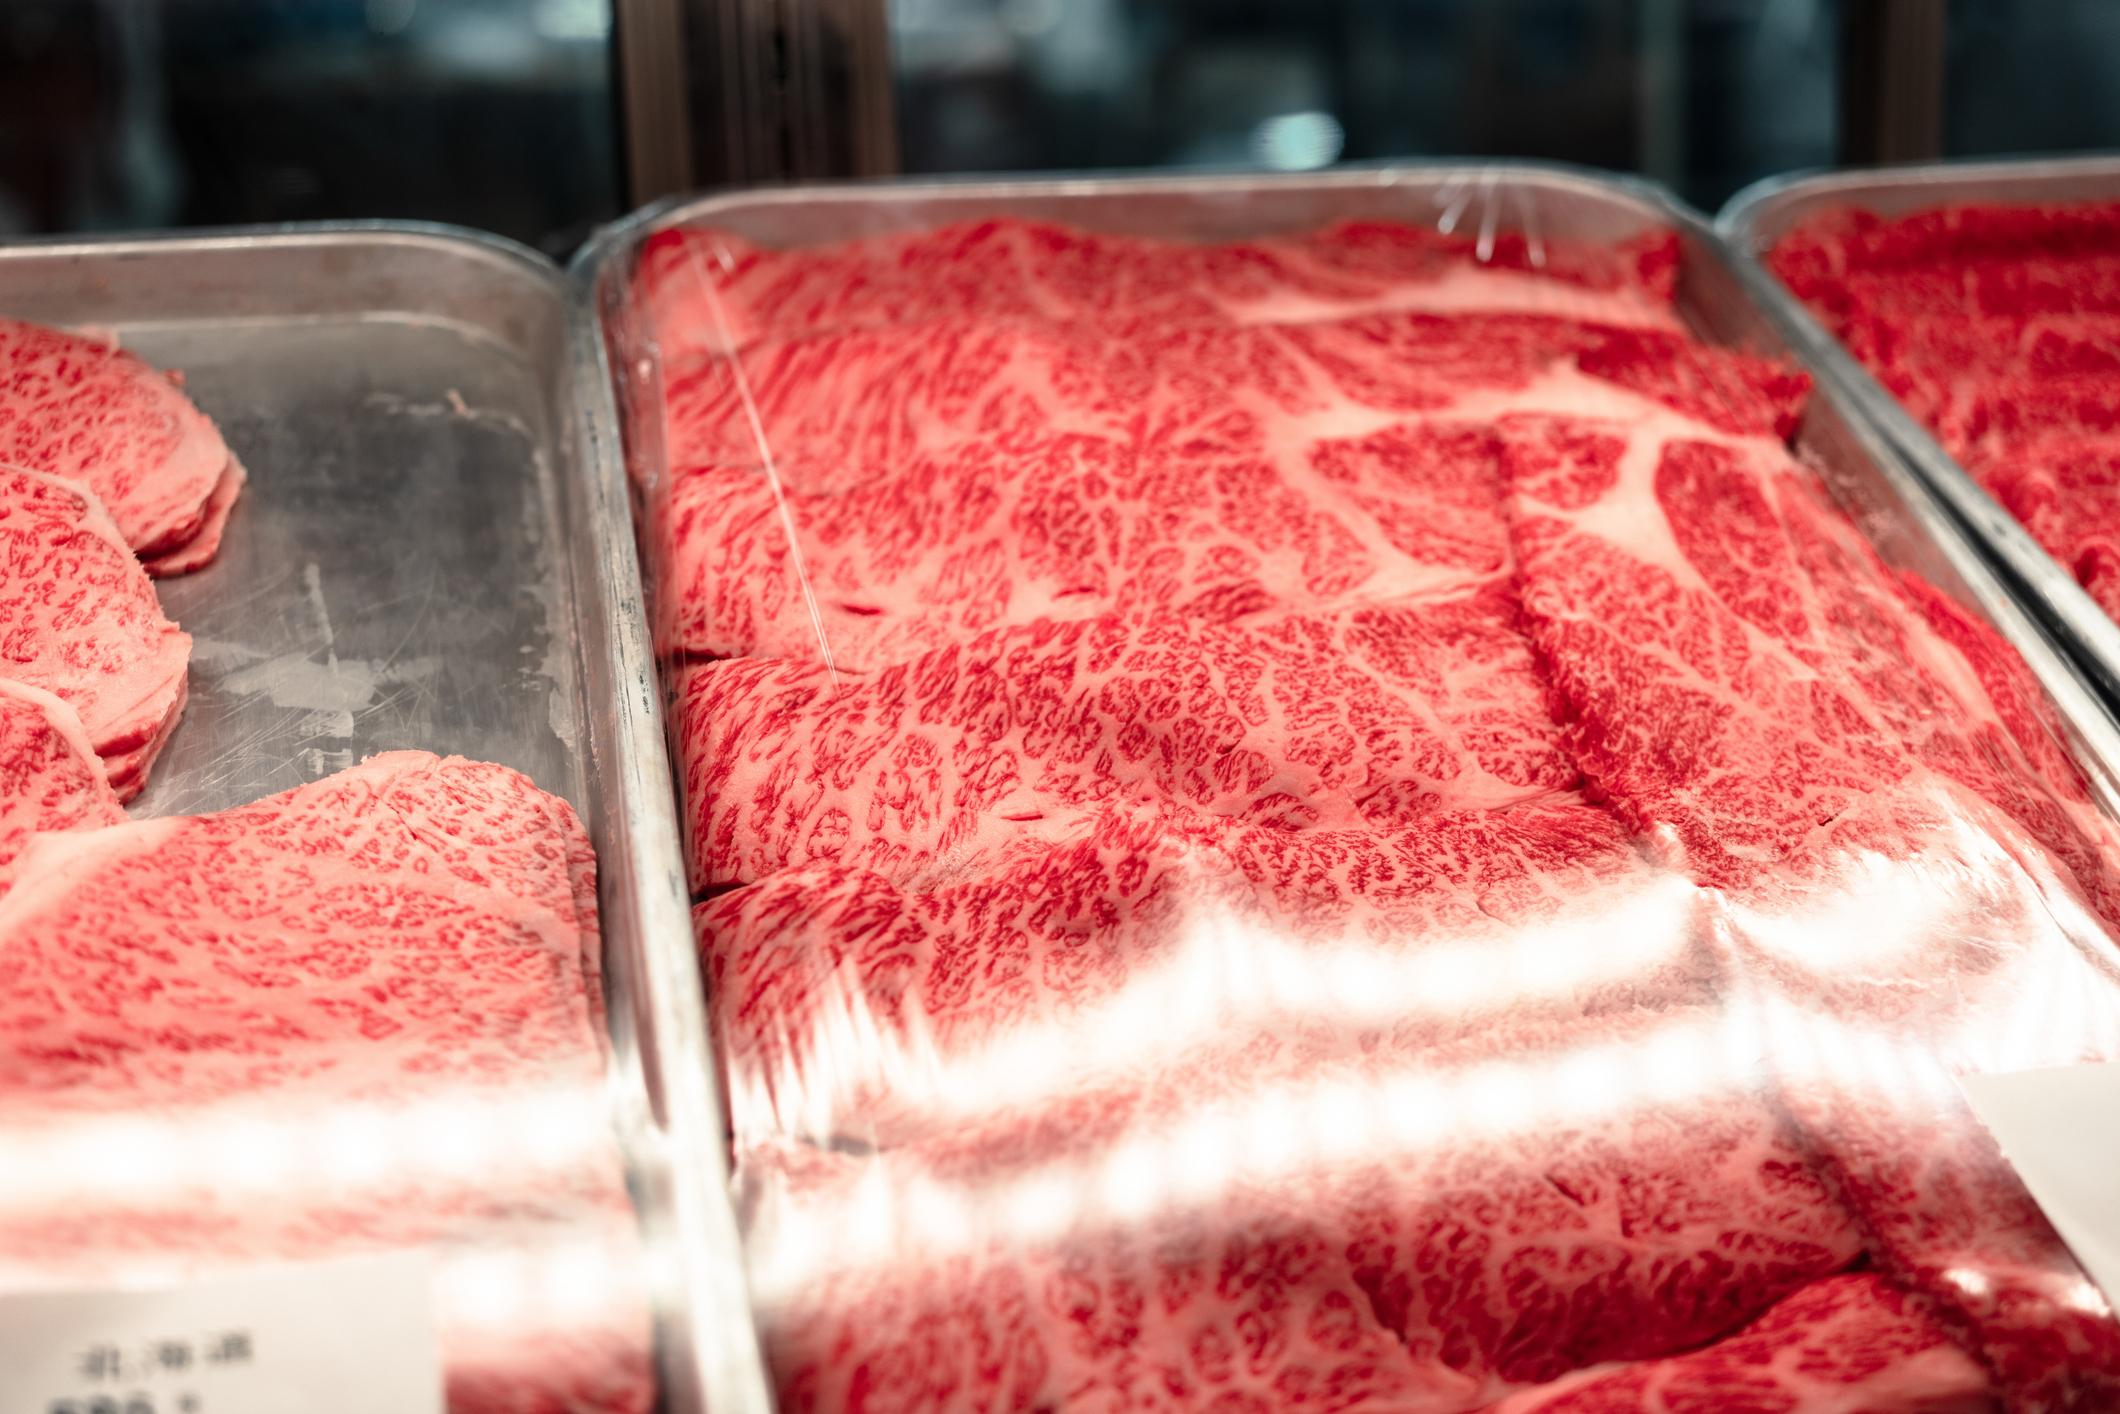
[(361, 1015), (1998, 326), (1336, 817)]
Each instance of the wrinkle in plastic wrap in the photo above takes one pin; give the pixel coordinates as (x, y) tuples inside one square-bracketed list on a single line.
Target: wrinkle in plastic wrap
[(1377, 842)]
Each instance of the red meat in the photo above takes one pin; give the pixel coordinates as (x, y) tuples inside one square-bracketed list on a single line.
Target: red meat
[(1851, 1344), (82, 622), (1272, 710), (1001, 270), (1999, 328), (380, 978), (1206, 1251), (1382, 714), (50, 777), (83, 409)]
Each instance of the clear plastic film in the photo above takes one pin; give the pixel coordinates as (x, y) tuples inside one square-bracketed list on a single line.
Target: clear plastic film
[(334, 995), (1380, 836)]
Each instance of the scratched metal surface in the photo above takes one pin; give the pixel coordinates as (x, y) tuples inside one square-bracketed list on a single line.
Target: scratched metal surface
[(390, 578)]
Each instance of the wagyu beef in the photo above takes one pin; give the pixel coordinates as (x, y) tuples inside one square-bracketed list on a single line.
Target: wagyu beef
[(1382, 714), (1999, 328), (382, 978), (79, 618), (82, 408), (1119, 1260), (1370, 839), (841, 999), (701, 284), (50, 777), (955, 477), (1852, 1344)]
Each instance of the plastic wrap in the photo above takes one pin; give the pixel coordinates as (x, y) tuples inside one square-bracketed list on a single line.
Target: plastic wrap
[(1341, 818)]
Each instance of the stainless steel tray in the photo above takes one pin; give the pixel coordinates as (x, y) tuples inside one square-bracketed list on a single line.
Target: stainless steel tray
[(1765, 211), (1726, 302), (429, 554)]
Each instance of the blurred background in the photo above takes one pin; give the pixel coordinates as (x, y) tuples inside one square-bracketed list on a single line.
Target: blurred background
[(540, 118)]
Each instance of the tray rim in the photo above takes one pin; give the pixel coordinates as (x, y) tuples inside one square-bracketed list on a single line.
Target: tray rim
[(286, 233), (621, 745), (1748, 211), (609, 242), (612, 245)]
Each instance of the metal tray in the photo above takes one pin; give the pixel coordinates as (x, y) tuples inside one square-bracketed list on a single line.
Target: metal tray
[(1724, 301), (428, 555), (1765, 211)]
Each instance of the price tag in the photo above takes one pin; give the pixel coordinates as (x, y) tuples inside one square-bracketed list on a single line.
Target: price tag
[(347, 1337), (2060, 1129)]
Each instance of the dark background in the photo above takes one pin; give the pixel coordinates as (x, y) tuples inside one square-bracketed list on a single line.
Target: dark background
[(120, 114)]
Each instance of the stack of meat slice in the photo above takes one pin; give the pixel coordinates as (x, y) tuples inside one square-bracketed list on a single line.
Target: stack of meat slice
[(1346, 826), (1999, 328), (81, 408), (108, 475), (364, 1015)]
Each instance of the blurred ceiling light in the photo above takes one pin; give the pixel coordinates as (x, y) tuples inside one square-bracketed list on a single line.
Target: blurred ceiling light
[(572, 20), (1298, 142)]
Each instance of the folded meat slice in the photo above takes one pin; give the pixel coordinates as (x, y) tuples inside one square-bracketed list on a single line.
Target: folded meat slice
[(50, 777), (1395, 1230), (1740, 667), (351, 1017), (847, 1005), (935, 766), (82, 622), (1850, 1344), (199, 551), (84, 409)]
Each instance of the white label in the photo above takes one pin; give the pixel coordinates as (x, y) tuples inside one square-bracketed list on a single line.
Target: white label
[(2060, 1129), (348, 1337)]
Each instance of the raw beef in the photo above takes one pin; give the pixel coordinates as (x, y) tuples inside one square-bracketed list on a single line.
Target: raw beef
[(1382, 714), (961, 476), (79, 619), (1882, 976), (1999, 328), (1740, 667), (84, 409), (1851, 1344), (50, 777), (1228, 1245), (845, 1003), (1003, 270), (1318, 746), (375, 987)]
